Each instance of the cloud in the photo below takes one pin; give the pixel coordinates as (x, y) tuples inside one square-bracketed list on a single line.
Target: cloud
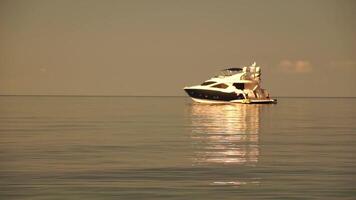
[(343, 65), (43, 69), (299, 66)]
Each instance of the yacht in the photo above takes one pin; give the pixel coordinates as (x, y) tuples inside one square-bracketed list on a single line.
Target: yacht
[(232, 85)]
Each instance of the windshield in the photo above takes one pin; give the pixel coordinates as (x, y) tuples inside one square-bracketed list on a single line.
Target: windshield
[(208, 83)]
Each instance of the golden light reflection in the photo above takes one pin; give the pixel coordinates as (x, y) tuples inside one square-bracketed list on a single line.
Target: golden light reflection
[(226, 134)]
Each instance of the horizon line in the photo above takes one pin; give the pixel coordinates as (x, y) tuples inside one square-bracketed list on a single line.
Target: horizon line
[(79, 95)]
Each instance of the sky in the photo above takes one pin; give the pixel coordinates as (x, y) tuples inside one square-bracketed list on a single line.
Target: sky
[(306, 48)]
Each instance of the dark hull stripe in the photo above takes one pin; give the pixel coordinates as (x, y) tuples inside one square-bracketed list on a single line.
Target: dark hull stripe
[(213, 95)]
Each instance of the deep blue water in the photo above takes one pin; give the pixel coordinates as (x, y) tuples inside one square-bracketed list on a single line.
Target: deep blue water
[(172, 148)]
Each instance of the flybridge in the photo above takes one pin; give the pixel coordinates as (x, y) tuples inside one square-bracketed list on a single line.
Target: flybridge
[(230, 71), (233, 69), (250, 72)]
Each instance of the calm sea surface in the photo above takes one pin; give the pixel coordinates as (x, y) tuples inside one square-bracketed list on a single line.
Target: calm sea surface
[(171, 148)]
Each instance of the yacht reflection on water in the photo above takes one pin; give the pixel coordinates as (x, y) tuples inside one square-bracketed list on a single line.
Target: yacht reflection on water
[(225, 134)]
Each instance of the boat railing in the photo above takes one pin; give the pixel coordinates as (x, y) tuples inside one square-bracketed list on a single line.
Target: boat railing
[(251, 73)]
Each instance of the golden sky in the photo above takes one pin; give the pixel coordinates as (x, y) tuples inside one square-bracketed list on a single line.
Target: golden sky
[(103, 47)]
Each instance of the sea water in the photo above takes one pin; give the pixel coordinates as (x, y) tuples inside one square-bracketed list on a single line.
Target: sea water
[(54, 147)]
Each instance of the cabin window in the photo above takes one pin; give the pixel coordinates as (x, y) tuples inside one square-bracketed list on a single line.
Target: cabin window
[(239, 86), (208, 83), (221, 85)]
